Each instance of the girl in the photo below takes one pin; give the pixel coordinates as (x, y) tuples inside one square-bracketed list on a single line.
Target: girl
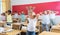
[(32, 24), (9, 18), (3, 17)]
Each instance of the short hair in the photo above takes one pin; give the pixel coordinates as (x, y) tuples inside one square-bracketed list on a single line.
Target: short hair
[(9, 11), (3, 13)]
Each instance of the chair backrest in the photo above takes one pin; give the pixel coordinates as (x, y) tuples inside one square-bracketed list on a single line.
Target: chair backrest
[(2, 24), (16, 26)]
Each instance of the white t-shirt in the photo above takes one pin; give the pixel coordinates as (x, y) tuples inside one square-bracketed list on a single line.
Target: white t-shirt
[(40, 17), (16, 16), (52, 16), (45, 19), (32, 24)]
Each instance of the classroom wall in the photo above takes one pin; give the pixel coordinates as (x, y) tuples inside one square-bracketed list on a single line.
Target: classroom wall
[(41, 5), (0, 6), (23, 2)]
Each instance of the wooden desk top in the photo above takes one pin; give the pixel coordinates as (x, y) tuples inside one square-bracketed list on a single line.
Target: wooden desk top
[(14, 32), (49, 33), (56, 27), (16, 24), (26, 30), (25, 24)]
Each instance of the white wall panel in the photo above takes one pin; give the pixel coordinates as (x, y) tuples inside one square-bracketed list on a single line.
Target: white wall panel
[(21, 2)]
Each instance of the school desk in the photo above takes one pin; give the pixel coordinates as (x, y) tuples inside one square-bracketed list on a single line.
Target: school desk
[(16, 26), (2, 23), (13, 32), (49, 33), (55, 28)]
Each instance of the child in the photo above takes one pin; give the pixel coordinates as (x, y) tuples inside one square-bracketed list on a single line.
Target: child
[(16, 15), (30, 9), (52, 15), (3, 17), (9, 18), (45, 21), (31, 25), (22, 16), (40, 16)]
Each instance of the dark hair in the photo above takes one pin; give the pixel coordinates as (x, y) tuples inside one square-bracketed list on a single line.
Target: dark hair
[(3, 14), (9, 11)]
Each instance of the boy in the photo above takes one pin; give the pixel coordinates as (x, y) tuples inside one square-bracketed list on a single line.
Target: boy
[(45, 21), (9, 18), (22, 16), (52, 16), (16, 15)]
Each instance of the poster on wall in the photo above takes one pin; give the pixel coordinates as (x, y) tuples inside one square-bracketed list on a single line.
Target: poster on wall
[(39, 7)]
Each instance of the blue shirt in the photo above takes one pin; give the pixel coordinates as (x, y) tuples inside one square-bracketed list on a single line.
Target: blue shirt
[(22, 16)]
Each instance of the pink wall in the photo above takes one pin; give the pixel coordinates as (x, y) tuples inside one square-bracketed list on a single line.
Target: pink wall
[(39, 7)]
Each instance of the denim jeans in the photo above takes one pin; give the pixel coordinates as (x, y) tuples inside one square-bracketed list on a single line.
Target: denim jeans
[(45, 26), (9, 23), (30, 33)]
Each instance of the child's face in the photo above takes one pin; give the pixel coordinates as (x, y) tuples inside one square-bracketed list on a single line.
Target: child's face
[(40, 13), (49, 12), (52, 12), (45, 12)]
